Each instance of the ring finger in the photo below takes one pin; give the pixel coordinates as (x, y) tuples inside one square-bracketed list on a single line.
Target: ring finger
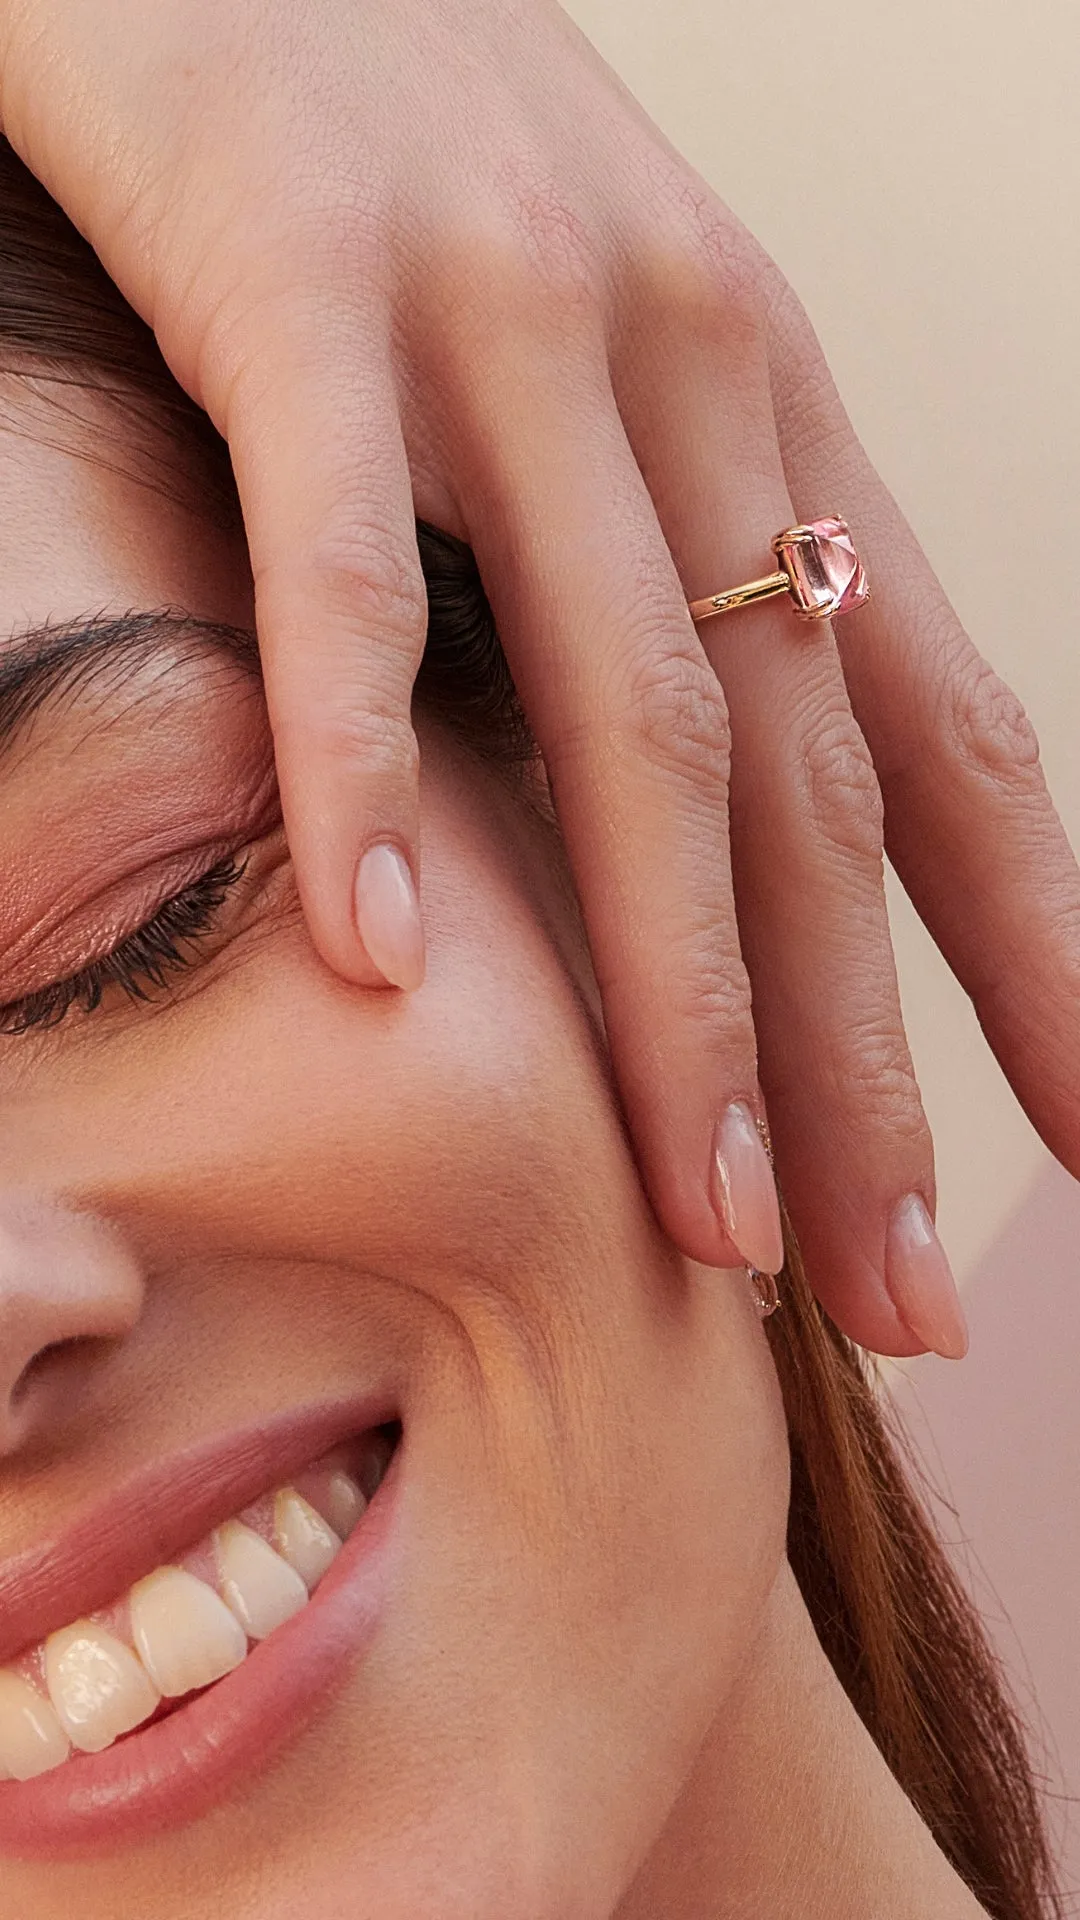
[(844, 1107)]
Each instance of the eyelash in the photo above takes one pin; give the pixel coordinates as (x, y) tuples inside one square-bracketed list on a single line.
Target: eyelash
[(143, 962)]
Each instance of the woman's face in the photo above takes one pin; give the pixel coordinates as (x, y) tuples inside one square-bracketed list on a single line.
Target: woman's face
[(259, 1214)]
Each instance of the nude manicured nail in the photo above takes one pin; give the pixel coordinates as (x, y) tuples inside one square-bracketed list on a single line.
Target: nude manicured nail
[(745, 1191), (920, 1282), (388, 916)]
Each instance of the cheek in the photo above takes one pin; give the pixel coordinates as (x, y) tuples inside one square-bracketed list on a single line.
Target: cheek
[(607, 1514), (461, 1144), (279, 1110)]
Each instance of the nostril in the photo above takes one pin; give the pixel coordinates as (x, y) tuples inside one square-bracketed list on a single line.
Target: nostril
[(43, 1363), (48, 1392), (70, 1289)]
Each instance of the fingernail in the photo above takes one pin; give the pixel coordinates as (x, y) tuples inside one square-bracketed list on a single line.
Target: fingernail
[(745, 1191), (388, 916), (920, 1282)]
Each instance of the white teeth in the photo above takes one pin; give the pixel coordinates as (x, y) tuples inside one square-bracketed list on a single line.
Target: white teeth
[(98, 1687), (32, 1741), (343, 1504), (303, 1538), (255, 1581), (190, 1625), (185, 1635)]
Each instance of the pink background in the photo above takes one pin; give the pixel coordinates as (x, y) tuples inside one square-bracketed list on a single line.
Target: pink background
[(1000, 1436)]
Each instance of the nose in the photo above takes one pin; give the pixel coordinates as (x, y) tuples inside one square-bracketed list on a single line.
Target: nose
[(64, 1278)]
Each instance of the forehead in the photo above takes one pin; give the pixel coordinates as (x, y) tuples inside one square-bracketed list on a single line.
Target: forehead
[(89, 523)]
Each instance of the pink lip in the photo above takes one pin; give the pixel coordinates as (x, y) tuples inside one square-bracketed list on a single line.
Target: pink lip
[(176, 1769)]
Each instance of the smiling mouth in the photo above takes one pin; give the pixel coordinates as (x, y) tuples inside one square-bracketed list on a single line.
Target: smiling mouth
[(177, 1632)]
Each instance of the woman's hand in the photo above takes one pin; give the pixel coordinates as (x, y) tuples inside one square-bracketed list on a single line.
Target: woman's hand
[(428, 256)]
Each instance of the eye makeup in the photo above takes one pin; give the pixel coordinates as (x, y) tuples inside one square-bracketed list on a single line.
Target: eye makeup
[(140, 964), (138, 794)]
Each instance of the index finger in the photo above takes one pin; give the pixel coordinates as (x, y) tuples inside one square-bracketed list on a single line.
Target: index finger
[(314, 431)]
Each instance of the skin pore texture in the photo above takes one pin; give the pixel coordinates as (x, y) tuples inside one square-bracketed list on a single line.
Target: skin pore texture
[(591, 1689)]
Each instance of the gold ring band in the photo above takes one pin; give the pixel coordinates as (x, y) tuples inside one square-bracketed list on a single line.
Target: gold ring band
[(819, 569)]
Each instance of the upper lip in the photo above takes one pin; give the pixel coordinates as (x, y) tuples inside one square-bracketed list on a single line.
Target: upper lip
[(162, 1511)]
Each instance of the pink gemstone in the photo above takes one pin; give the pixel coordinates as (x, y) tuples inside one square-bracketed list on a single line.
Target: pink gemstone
[(824, 569)]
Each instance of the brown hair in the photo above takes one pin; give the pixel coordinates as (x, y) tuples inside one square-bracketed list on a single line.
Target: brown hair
[(900, 1632)]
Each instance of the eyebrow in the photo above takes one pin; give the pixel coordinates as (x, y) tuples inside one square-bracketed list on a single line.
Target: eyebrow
[(67, 659)]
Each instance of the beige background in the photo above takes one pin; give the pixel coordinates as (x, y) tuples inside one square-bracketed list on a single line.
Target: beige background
[(915, 170)]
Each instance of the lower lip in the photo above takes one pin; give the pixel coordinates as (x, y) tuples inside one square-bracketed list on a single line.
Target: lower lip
[(180, 1768)]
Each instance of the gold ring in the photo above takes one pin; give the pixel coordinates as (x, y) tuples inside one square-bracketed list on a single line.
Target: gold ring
[(819, 568)]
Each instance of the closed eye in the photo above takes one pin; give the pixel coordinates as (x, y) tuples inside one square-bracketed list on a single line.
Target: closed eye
[(143, 963)]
